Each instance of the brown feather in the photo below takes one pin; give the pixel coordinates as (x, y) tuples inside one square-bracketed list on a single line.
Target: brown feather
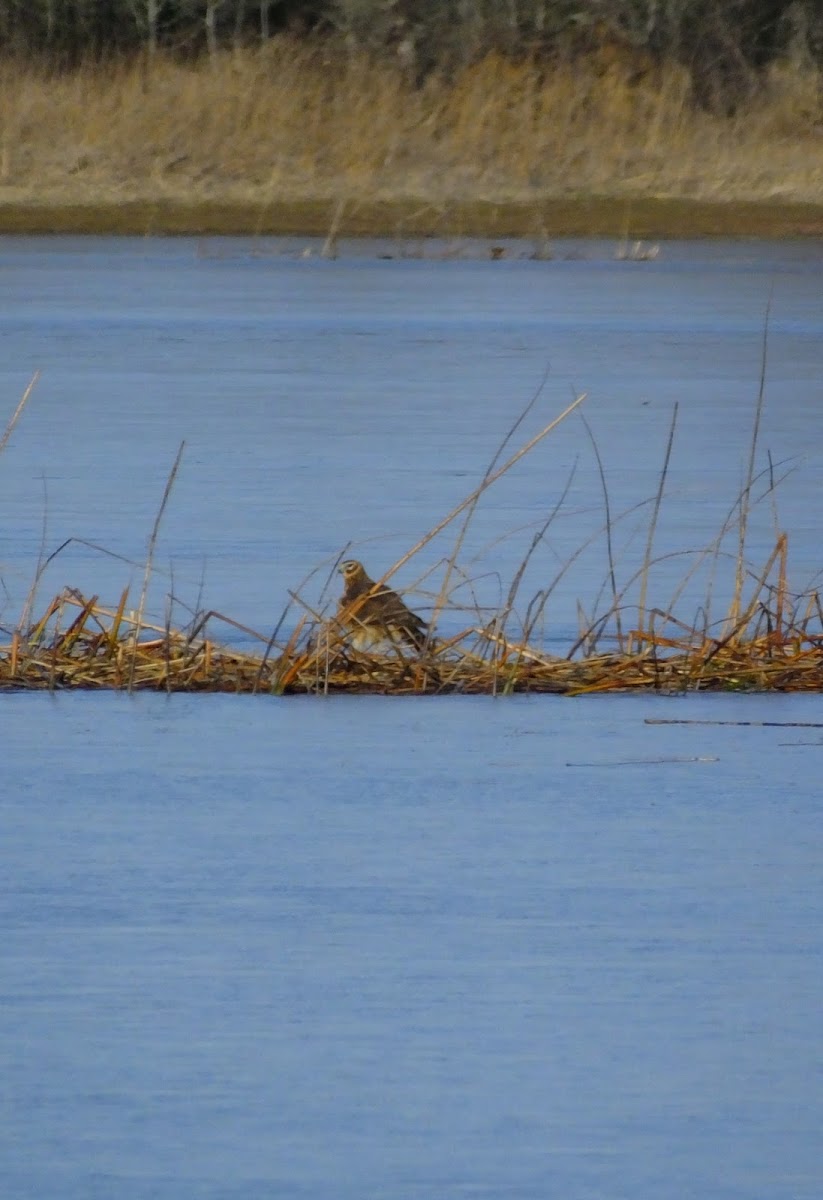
[(383, 614)]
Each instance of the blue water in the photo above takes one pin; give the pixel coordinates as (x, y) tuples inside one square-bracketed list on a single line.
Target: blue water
[(366, 948), (380, 949), (355, 402)]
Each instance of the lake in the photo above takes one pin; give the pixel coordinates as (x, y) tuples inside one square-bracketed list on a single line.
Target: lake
[(380, 948), (327, 404)]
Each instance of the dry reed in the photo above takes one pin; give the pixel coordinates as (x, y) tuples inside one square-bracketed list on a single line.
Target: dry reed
[(294, 122), (769, 639), (80, 643)]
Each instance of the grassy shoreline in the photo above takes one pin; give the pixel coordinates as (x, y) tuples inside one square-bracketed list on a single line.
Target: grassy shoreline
[(583, 216), (295, 139)]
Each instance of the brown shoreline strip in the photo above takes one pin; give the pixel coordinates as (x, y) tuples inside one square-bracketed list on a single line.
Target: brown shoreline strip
[(406, 218)]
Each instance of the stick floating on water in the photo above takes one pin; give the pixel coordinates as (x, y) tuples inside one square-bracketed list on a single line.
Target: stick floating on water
[(646, 762), (774, 724)]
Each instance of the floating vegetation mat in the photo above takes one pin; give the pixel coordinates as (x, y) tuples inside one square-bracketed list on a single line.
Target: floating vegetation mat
[(79, 643), (768, 639)]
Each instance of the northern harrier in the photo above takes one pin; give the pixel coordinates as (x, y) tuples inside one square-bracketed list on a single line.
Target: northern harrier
[(381, 616)]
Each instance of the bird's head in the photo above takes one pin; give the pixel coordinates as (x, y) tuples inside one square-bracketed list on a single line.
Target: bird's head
[(352, 570)]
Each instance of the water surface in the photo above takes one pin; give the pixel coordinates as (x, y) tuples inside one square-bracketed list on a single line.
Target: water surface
[(327, 403), (366, 948), (371, 949)]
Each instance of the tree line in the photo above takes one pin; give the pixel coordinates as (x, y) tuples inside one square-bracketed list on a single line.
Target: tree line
[(726, 44)]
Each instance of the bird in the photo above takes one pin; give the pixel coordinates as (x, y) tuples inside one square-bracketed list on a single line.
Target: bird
[(381, 616)]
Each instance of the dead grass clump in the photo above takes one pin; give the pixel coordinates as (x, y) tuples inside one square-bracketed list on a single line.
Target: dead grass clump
[(79, 643), (768, 639)]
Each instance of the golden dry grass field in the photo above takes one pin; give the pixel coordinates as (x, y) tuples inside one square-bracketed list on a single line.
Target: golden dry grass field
[(282, 138)]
